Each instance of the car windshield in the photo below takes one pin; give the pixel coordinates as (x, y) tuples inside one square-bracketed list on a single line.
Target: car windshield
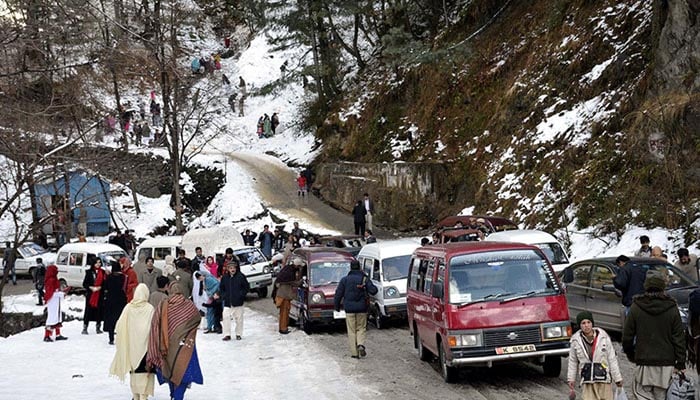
[(30, 250), (555, 254), (248, 256), (324, 273), (396, 267), (499, 276)]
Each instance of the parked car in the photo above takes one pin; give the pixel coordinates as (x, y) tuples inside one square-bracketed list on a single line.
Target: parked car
[(350, 243), (323, 269), (256, 268), (26, 258), (452, 235), (589, 286), (548, 243), (159, 248), (386, 263), (72, 259), (491, 222), (480, 303)]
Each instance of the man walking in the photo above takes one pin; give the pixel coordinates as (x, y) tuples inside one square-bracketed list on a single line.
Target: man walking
[(654, 339), (266, 240), (359, 218), (233, 288), (352, 292), (286, 284), (8, 261)]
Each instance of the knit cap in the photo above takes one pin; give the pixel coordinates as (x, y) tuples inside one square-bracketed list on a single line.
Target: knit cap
[(584, 315)]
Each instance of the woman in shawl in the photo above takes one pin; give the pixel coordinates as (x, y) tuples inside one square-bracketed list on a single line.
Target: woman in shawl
[(132, 330), (94, 278), (114, 289), (52, 297), (211, 286), (171, 346), (212, 266)]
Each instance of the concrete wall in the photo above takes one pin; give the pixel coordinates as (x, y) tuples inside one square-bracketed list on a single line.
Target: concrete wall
[(406, 195)]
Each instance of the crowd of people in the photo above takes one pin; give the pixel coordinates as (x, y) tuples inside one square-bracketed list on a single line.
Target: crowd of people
[(267, 126), (134, 121)]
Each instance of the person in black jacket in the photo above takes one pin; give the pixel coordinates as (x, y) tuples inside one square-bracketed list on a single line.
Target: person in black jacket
[(359, 213), (351, 294), (629, 280), (233, 288), (114, 292)]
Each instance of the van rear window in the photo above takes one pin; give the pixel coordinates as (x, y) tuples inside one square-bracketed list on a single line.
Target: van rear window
[(499, 276)]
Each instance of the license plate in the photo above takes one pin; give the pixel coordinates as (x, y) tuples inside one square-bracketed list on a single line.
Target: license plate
[(339, 314), (515, 349)]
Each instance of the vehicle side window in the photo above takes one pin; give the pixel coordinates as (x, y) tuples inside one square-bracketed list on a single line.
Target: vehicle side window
[(76, 259), (415, 274), (441, 271), (367, 266), (62, 258), (375, 271), (159, 253), (581, 275), (144, 253), (429, 277), (601, 276)]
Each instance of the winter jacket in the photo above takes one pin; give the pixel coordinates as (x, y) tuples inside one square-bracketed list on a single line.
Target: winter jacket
[(604, 353), (690, 269), (630, 281), (249, 238), (233, 289), (185, 279), (653, 332), (352, 292), (149, 278), (287, 283), (359, 212)]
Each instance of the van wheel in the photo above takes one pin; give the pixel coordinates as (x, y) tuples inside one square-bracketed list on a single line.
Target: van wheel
[(423, 353), (378, 317), (262, 292), (63, 284), (449, 374), (552, 366), (305, 324)]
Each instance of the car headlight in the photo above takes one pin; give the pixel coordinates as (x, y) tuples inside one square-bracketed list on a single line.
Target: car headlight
[(267, 270), (469, 340), (317, 298), (391, 292), (556, 331)]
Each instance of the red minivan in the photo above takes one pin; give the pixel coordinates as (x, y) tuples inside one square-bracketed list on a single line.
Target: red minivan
[(479, 303), (323, 269)]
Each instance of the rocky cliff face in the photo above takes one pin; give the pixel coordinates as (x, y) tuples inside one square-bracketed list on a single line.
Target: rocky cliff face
[(554, 113)]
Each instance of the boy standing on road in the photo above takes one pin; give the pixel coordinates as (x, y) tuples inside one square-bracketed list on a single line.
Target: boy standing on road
[(351, 293), (233, 288)]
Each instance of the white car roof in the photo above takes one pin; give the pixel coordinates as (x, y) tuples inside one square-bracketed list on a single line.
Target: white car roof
[(527, 236), (91, 247), (389, 248), (162, 241)]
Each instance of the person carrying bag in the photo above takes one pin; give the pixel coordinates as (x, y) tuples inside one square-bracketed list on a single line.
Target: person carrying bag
[(593, 362)]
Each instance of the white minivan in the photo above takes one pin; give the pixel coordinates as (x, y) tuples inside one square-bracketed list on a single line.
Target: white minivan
[(548, 243), (215, 240), (387, 263), (158, 248), (72, 260)]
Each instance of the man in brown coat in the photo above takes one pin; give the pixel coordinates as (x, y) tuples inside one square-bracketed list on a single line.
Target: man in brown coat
[(286, 284)]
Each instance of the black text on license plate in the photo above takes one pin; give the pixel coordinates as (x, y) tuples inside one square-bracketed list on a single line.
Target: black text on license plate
[(515, 349)]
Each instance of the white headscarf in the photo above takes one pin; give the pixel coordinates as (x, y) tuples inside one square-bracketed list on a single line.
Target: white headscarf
[(133, 330)]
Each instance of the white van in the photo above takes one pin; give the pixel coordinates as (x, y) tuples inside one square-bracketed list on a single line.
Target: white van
[(72, 259), (158, 248), (387, 263), (215, 240), (548, 243)]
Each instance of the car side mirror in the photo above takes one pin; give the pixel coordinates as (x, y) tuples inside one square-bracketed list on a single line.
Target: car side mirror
[(438, 290)]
